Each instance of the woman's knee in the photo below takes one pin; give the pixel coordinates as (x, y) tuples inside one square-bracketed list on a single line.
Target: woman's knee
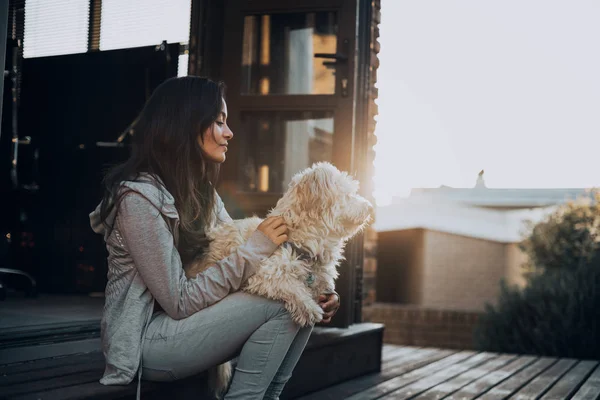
[(272, 308), (276, 310)]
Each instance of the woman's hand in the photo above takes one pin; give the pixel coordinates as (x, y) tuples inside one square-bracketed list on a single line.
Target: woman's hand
[(275, 229), (329, 303)]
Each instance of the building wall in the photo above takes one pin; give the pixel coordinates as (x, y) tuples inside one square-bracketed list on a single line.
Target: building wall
[(416, 326), (460, 273), (515, 258), (369, 276), (444, 271), (400, 266), (432, 286)]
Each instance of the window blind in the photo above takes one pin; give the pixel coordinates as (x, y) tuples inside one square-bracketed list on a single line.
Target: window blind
[(135, 23), (57, 27)]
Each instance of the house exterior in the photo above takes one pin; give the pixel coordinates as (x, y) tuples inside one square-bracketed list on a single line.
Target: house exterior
[(449, 248)]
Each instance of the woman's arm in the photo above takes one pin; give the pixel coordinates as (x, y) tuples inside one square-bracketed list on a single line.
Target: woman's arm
[(150, 243)]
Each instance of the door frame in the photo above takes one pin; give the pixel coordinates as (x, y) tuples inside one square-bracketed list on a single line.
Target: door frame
[(217, 54)]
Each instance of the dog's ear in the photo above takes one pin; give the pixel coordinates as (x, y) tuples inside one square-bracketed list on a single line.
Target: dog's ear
[(321, 167), (310, 192), (316, 186), (320, 180)]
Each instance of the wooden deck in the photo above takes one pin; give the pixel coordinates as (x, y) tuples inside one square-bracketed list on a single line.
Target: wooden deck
[(407, 373), (432, 374), (67, 370)]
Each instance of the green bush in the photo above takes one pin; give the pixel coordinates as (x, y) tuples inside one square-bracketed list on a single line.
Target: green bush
[(567, 238), (557, 314)]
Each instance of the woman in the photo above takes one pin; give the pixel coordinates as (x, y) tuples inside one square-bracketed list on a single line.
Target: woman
[(156, 206)]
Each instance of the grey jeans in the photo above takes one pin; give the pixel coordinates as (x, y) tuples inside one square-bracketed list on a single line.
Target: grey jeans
[(259, 330)]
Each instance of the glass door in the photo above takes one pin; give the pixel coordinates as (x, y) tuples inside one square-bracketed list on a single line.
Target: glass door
[(290, 74)]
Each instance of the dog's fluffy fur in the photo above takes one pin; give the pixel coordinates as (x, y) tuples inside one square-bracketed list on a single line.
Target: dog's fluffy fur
[(322, 210)]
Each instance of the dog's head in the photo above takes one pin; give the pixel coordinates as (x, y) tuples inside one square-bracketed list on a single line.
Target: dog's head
[(326, 199)]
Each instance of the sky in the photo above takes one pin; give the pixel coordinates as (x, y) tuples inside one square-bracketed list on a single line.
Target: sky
[(511, 87)]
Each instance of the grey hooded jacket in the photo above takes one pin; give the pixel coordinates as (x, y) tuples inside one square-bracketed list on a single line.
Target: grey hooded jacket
[(144, 266)]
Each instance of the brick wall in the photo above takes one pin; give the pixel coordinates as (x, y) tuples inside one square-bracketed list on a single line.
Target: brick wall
[(459, 272), (415, 326), (370, 256), (369, 267)]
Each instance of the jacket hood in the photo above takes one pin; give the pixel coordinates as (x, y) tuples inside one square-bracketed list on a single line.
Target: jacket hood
[(149, 187)]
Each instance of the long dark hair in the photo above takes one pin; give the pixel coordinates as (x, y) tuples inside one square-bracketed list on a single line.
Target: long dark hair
[(165, 145)]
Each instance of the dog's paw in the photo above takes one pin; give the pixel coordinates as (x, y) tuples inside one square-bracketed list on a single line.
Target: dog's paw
[(309, 315), (316, 314)]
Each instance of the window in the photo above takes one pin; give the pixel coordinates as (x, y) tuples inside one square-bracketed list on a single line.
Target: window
[(277, 144), (54, 27), (278, 53), (136, 23)]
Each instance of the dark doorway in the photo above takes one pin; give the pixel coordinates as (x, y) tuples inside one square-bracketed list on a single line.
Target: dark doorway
[(71, 111)]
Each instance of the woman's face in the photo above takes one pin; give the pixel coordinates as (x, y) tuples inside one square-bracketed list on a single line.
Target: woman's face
[(214, 140)]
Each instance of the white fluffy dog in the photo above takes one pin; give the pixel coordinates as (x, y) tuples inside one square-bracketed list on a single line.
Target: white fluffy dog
[(322, 211)]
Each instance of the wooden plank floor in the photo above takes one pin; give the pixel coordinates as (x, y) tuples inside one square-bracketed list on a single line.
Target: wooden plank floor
[(433, 374)]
